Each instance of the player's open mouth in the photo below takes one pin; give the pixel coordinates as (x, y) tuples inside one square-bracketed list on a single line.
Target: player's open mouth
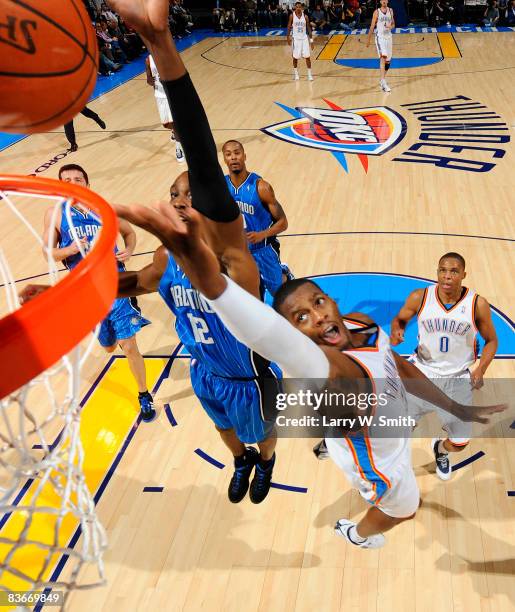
[(331, 334)]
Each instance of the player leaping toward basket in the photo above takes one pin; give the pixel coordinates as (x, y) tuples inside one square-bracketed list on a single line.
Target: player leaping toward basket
[(384, 20), (310, 339)]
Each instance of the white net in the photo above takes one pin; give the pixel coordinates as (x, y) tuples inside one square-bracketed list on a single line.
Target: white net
[(48, 525)]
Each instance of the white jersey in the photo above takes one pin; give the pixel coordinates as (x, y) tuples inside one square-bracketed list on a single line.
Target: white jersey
[(378, 364), (299, 30), (384, 23), (446, 337), (379, 467), (158, 87)]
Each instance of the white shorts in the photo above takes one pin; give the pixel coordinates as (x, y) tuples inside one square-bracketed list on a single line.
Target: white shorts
[(164, 110), (384, 47), (457, 388), (300, 48), (397, 495)]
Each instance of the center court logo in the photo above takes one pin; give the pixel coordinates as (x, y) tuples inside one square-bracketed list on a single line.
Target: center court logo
[(454, 133), (358, 131)]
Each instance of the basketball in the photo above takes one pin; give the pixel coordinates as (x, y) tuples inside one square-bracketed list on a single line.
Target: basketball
[(48, 63)]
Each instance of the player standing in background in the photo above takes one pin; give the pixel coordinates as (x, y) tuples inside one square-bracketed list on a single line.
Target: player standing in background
[(125, 319), (69, 130), (299, 29), (162, 105), (449, 317), (383, 19), (264, 217)]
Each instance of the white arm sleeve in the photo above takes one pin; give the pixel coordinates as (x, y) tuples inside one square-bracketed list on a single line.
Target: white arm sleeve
[(263, 330)]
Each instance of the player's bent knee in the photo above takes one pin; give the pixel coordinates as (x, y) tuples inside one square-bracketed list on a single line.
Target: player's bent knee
[(110, 349), (129, 346)]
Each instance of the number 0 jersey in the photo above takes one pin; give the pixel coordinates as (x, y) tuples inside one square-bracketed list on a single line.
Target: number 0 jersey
[(203, 333), (447, 337)]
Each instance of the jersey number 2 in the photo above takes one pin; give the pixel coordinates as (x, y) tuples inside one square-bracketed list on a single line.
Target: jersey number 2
[(444, 344), (200, 330)]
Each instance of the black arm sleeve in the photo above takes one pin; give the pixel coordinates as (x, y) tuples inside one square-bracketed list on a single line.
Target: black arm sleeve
[(209, 192)]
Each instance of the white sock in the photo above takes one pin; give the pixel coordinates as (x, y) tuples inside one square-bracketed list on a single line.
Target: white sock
[(441, 449), (295, 71), (354, 536)]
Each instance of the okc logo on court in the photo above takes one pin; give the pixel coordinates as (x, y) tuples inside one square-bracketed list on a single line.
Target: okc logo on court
[(359, 131)]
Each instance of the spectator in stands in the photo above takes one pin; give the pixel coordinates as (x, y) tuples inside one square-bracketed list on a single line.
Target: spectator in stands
[(318, 19), (510, 14), (491, 16), (439, 13), (112, 42), (180, 19), (353, 13), (263, 14), (335, 15), (275, 12)]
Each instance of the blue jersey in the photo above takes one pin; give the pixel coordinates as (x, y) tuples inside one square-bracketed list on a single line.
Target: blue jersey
[(203, 333), (86, 225), (255, 214)]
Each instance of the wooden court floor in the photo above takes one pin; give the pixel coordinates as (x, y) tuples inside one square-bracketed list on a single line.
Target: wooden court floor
[(189, 548)]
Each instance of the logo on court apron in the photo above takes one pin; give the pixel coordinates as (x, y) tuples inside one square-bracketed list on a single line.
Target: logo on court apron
[(359, 131)]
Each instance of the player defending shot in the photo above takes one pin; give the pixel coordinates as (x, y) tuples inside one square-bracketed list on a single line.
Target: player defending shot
[(300, 37), (263, 216), (163, 107), (383, 20), (124, 320), (449, 316)]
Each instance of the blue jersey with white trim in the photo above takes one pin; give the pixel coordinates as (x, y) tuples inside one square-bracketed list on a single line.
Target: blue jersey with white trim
[(255, 214), (85, 225), (203, 333)]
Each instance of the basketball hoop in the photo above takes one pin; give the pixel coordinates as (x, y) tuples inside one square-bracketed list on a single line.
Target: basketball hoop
[(44, 345)]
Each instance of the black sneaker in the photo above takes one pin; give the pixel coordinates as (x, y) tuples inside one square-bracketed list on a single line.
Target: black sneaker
[(261, 482), (146, 404), (101, 123), (320, 450), (443, 465), (243, 467)]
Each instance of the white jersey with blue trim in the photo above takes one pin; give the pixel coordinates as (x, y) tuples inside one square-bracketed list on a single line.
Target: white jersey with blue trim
[(384, 22), (447, 334), (371, 459), (299, 28)]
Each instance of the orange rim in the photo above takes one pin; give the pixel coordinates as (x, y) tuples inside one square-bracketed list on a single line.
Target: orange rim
[(38, 334)]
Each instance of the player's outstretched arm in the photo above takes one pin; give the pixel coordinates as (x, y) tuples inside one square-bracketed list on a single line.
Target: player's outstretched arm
[(146, 280), (419, 385), (405, 314), (487, 331), (129, 240), (209, 191)]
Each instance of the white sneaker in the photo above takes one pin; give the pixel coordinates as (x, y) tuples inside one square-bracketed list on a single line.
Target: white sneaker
[(179, 153), (386, 87), (295, 76), (343, 527), (310, 77), (443, 465)]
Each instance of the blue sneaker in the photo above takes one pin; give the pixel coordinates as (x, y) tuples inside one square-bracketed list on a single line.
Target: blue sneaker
[(146, 404)]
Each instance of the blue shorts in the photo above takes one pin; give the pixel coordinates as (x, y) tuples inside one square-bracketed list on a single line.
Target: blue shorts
[(232, 403), (269, 265), (122, 322)]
